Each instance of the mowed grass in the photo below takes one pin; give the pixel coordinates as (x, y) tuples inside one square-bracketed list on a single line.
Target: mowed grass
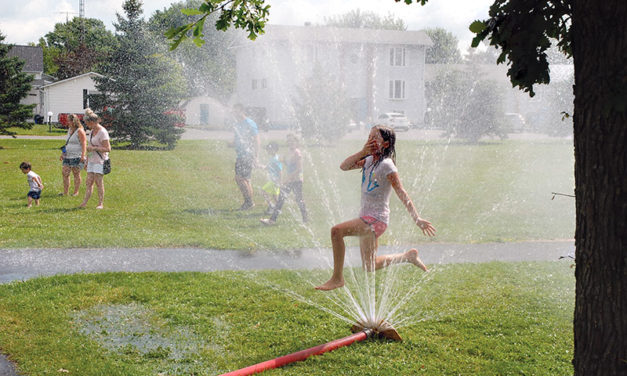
[(474, 319), (40, 130), (186, 197)]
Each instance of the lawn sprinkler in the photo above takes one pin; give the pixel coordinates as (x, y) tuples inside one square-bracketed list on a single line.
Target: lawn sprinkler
[(360, 333), (381, 329)]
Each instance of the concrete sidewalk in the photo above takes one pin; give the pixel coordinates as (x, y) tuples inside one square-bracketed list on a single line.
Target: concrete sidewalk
[(22, 264)]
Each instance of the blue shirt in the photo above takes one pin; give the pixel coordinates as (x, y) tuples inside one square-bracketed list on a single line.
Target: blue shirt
[(245, 132), (274, 169)]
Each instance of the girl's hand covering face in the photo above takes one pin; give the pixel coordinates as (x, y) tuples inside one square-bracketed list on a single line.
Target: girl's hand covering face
[(372, 146)]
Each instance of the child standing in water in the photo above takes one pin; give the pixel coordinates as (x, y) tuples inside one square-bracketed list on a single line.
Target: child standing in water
[(34, 184), (379, 175), (293, 181), (271, 189)]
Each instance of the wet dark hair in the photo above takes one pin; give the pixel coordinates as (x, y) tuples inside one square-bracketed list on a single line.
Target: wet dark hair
[(388, 135), (25, 166)]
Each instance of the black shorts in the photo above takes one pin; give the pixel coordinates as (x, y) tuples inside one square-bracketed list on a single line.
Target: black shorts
[(244, 166), (34, 194)]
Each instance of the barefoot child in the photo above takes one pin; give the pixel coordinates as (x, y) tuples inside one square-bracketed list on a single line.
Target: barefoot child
[(34, 183), (378, 177), (270, 190), (292, 181)]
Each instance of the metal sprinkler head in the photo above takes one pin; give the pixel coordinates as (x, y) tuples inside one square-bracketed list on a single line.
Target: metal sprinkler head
[(382, 329)]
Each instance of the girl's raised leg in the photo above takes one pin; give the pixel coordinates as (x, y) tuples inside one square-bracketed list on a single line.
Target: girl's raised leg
[(410, 256)]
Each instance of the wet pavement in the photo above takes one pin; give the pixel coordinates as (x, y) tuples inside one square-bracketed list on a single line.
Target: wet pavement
[(23, 264)]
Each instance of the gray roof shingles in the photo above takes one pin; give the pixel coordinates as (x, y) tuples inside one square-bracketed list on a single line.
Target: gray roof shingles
[(33, 55)]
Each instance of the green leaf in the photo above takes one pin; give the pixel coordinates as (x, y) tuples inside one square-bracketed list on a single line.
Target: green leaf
[(477, 27), (475, 41), (191, 12), (198, 41)]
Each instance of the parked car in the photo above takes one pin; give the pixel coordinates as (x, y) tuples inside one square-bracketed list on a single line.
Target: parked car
[(394, 120), (64, 118), (354, 125)]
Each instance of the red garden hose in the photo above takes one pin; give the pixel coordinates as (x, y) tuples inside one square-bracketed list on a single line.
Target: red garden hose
[(301, 355)]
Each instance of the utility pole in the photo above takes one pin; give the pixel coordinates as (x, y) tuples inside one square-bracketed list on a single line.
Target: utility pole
[(81, 15)]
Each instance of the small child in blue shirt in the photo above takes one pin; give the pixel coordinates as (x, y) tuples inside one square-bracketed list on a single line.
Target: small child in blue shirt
[(271, 189), (34, 183)]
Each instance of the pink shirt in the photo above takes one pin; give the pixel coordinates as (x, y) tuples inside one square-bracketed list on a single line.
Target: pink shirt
[(98, 140)]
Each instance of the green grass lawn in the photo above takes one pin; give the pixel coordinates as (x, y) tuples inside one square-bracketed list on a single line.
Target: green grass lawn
[(40, 130), (187, 197), (468, 319)]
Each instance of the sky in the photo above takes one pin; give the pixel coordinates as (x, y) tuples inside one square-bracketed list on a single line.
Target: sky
[(27, 21)]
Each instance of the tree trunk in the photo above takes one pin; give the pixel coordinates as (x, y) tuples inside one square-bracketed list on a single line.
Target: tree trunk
[(599, 43)]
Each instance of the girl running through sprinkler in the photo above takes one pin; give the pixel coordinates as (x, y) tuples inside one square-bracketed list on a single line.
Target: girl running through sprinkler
[(378, 177)]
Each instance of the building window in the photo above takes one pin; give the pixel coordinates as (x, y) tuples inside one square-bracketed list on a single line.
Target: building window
[(254, 84), (264, 83), (397, 89), (397, 56)]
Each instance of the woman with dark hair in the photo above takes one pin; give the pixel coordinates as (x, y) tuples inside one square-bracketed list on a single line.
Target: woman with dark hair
[(74, 155), (378, 177)]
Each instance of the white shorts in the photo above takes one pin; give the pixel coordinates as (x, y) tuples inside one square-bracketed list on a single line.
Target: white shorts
[(96, 168)]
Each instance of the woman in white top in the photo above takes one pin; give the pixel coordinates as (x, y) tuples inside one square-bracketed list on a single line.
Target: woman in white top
[(74, 155), (98, 148)]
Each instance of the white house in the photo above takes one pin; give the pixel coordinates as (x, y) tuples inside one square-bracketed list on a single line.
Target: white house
[(68, 96), (382, 70), (206, 110)]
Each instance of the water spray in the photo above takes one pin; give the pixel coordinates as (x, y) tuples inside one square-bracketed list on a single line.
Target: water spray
[(360, 333)]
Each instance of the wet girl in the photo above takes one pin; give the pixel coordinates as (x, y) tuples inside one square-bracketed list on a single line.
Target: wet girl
[(379, 175)]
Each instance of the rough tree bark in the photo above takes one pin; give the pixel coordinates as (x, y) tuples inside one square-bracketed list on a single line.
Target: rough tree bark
[(599, 41)]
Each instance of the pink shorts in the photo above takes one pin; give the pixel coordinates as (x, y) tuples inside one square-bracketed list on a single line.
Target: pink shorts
[(376, 225)]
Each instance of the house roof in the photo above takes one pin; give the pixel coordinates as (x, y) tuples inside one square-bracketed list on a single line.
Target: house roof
[(343, 35), (73, 78), (33, 55)]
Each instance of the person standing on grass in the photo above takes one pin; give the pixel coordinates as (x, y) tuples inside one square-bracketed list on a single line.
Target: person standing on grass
[(74, 155), (246, 143), (270, 190), (98, 148), (379, 176), (293, 181), (34, 184)]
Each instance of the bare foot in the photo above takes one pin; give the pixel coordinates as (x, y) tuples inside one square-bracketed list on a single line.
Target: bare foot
[(412, 256), (82, 206), (100, 206), (74, 194), (331, 285)]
